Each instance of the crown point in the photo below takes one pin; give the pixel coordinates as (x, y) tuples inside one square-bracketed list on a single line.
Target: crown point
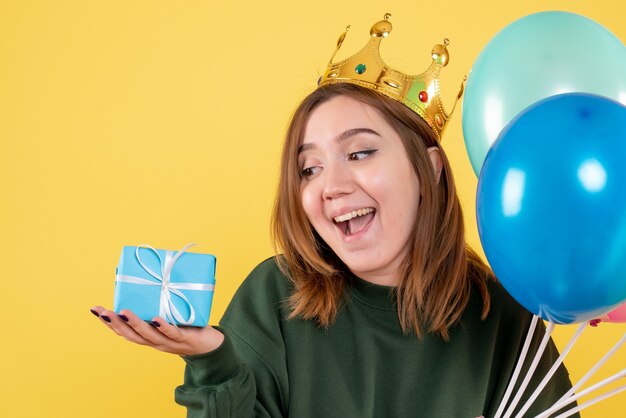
[(341, 39), (440, 54), (381, 28)]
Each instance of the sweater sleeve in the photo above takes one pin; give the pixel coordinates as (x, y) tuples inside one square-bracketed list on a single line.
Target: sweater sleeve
[(217, 384), (247, 375)]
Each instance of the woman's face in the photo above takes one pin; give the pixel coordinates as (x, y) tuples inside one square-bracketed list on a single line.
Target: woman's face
[(359, 190)]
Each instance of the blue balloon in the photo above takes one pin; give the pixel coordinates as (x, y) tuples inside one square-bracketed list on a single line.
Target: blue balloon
[(533, 58), (551, 207)]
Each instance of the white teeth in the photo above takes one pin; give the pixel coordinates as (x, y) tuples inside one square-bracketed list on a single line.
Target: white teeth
[(353, 214)]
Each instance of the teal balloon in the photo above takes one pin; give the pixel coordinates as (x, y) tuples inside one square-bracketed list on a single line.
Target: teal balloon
[(535, 57), (551, 207)]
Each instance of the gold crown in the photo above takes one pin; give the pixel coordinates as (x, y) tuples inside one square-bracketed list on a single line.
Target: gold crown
[(418, 92)]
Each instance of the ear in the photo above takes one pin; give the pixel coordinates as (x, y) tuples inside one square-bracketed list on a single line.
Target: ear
[(435, 159)]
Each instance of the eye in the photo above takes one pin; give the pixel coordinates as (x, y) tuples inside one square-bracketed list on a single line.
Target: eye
[(309, 172), (359, 155)]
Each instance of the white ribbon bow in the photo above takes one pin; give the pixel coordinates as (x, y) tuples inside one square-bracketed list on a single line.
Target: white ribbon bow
[(167, 309)]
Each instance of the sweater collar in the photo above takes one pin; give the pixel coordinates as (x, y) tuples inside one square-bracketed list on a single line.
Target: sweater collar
[(374, 295)]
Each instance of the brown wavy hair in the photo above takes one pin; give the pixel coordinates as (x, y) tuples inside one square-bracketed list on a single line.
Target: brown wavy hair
[(439, 270)]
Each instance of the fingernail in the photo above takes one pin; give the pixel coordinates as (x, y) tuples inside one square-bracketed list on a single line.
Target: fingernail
[(155, 324), (124, 318), (94, 312), (106, 318)]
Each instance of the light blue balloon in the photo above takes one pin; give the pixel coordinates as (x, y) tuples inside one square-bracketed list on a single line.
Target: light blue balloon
[(535, 57), (551, 207)]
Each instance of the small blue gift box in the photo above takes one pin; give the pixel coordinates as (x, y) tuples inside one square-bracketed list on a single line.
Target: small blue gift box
[(176, 286)]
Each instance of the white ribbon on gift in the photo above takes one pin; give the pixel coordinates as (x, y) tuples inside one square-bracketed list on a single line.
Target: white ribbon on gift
[(167, 310)]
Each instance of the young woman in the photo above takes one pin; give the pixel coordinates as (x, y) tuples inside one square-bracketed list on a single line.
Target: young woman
[(376, 308)]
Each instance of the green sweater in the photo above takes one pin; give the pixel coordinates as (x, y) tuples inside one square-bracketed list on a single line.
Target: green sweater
[(363, 365)]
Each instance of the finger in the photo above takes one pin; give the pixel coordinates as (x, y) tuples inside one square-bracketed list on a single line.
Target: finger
[(146, 331), (120, 326), (104, 316), (169, 330), (97, 310)]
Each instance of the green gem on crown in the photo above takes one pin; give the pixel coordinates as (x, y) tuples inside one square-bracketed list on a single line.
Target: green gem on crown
[(360, 69)]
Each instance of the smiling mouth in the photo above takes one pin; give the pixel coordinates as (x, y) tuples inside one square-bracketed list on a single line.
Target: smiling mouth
[(355, 221)]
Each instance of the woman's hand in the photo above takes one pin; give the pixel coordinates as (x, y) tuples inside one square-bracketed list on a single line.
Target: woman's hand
[(159, 334)]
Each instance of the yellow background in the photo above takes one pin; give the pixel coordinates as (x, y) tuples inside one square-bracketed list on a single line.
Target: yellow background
[(123, 122)]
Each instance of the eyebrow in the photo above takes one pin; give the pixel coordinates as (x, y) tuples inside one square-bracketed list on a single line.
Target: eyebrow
[(343, 136)]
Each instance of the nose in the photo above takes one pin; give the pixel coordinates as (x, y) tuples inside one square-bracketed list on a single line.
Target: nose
[(337, 181)]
